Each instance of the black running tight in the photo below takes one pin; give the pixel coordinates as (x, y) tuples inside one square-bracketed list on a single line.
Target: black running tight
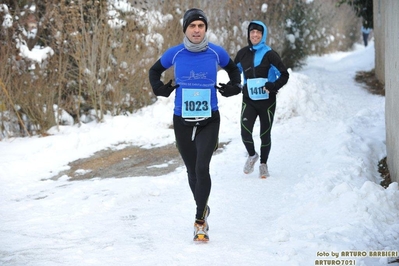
[(197, 155), (250, 111)]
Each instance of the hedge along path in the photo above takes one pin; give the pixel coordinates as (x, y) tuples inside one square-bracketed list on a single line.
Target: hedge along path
[(15, 109)]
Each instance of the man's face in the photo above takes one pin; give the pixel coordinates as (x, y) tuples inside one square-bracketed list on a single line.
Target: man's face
[(195, 32), (255, 36)]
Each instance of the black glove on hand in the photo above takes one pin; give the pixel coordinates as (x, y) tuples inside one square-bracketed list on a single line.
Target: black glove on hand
[(166, 89), (229, 89), (271, 87)]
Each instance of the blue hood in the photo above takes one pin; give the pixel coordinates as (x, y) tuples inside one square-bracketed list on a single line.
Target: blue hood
[(261, 48), (264, 36)]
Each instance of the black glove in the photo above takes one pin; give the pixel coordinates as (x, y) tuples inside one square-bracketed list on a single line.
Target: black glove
[(229, 89), (270, 86), (166, 89)]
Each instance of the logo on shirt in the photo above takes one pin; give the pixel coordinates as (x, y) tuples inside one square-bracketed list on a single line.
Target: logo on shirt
[(193, 75)]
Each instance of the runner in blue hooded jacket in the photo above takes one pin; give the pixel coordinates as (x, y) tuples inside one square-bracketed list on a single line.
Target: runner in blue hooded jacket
[(264, 74)]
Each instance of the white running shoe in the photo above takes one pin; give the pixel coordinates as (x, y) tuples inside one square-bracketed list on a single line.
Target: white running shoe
[(201, 231), (249, 164), (263, 171)]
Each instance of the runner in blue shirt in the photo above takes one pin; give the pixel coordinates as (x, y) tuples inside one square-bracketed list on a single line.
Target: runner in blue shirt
[(365, 33), (196, 118)]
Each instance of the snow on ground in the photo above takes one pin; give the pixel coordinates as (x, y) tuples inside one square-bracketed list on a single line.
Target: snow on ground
[(322, 204)]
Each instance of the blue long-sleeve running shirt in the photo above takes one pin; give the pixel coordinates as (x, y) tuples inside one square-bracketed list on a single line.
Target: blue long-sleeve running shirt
[(194, 70)]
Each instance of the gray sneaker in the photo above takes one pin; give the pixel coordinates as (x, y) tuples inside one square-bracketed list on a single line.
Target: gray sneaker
[(201, 232), (201, 227), (263, 172), (249, 164)]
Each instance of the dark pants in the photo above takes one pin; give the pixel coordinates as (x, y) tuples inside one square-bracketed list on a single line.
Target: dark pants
[(250, 111), (365, 38), (197, 155)]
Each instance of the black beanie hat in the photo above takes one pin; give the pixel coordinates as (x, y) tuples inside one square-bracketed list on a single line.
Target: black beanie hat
[(192, 15), (254, 26)]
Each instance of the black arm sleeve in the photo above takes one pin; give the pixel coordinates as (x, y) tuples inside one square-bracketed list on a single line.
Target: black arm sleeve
[(233, 72), (155, 73)]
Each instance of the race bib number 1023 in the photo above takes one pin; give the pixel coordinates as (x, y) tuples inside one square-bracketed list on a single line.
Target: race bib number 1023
[(196, 103)]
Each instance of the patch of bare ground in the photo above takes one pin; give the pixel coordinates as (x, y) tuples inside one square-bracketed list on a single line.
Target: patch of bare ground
[(370, 82), (128, 162), (374, 86)]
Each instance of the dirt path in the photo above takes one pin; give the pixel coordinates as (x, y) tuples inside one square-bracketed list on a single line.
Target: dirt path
[(130, 161)]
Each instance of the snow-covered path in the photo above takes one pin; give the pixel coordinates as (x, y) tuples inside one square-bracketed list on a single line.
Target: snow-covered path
[(322, 197)]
